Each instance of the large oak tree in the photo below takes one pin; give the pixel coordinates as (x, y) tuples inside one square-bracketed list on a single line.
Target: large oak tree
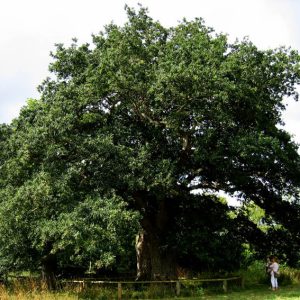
[(138, 121)]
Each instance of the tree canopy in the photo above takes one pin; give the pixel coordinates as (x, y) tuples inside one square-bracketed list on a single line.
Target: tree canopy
[(125, 130)]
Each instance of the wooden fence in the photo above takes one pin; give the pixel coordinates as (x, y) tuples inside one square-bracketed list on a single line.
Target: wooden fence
[(178, 283)]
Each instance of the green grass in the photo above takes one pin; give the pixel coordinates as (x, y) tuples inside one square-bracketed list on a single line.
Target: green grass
[(37, 296), (257, 292), (254, 293)]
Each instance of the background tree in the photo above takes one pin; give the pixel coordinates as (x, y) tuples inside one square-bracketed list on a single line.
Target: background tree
[(144, 117)]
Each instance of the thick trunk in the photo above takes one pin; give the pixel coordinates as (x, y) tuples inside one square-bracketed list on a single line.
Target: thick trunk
[(154, 261), (49, 266)]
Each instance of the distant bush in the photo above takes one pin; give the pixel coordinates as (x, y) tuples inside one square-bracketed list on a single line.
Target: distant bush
[(255, 274)]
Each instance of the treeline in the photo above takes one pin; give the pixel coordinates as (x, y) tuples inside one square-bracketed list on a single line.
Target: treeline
[(100, 173)]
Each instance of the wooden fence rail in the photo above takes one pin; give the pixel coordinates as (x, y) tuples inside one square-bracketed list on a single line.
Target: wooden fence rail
[(178, 283)]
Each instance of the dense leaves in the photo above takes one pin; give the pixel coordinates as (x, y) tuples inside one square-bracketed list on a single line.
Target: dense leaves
[(132, 125)]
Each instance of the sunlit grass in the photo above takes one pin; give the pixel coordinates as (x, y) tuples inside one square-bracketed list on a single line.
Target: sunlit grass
[(32, 291), (5, 295), (256, 289), (286, 293)]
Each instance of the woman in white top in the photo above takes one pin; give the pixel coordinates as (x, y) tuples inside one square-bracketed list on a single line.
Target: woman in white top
[(274, 267)]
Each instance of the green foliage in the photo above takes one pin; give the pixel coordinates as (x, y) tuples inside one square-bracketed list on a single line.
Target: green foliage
[(255, 274), (135, 123), (88, 233), (200, 250)]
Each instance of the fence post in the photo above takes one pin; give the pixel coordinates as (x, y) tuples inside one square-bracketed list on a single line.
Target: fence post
[(119, 290), (243, 281), (177, 288), (225, 286), (82, 285)]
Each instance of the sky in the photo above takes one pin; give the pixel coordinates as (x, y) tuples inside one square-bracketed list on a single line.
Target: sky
[(30, 29)]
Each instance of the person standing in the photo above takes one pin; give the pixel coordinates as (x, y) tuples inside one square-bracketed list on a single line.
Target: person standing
[(274, 271)]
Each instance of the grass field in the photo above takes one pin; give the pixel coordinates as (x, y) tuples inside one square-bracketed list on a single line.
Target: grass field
[(254, 293), (256, 282)]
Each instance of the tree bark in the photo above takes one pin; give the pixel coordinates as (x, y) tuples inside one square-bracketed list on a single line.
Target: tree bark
[(49, 266), (154, 262), (155, 257)]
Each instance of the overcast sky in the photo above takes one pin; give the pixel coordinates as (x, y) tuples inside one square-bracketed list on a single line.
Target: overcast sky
[(29, 29)]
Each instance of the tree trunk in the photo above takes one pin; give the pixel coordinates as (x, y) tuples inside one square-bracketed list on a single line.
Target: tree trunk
[(154, 261), (49, 266)]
